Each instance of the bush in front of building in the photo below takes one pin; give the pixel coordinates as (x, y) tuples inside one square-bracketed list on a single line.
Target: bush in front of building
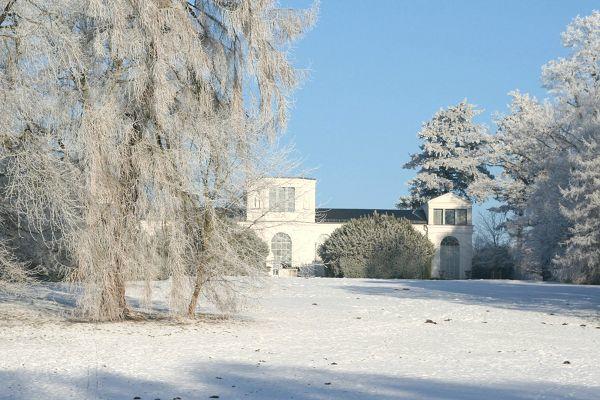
[(250, 248), (493, 262), (377, 246), (244, 250)]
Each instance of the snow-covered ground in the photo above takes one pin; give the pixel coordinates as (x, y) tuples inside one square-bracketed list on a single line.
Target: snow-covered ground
[(311, 339)]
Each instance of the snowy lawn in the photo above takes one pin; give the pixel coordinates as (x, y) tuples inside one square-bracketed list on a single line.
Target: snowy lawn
[(311, 339)]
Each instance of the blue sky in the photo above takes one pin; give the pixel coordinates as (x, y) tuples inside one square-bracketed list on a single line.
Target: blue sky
[(379, 69)]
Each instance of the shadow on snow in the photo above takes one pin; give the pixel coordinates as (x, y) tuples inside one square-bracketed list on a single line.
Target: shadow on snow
[(574, 300), (253, 382)]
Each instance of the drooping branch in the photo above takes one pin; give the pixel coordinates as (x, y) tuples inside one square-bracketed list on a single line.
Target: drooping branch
[(6, 11)]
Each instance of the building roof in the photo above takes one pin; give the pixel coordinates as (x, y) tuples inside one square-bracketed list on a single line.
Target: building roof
[(346, 214), (450, 196)]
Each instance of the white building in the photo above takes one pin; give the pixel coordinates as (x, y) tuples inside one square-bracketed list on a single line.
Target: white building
[(282, 211)]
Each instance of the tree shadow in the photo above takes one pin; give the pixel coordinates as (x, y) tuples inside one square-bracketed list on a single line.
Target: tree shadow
[(254, 382), (46, 301), (573, 300)]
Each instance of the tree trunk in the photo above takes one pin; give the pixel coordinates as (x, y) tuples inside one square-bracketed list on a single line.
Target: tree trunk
[(120, 293), (207, 229), (195, 296)]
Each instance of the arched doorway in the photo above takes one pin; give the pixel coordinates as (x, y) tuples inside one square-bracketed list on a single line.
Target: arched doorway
[(281, 247), (450, 258)]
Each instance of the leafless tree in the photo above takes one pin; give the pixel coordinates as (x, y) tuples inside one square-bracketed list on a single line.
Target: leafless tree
[(491, 229)]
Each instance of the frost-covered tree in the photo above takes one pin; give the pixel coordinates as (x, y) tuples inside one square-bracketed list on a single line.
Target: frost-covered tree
[(530, 159), (451, 156), (536, 142), (12, 271), (123, 119), (528, 150), (580, 262), (519, 142)]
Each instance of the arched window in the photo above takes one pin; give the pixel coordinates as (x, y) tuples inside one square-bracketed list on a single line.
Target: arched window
[(281, 247), (450, 258)]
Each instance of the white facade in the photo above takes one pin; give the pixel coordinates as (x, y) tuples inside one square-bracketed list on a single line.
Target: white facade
[(437, 232), (282, 211)]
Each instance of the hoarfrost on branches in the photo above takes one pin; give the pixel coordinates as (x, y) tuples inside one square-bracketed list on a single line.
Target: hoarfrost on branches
[(581, 260), (451, 156), (129, 120), (537, 155), (538, 141)]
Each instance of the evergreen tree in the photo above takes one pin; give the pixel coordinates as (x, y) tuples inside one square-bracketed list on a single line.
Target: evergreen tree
[(581, 260), (451, 156)]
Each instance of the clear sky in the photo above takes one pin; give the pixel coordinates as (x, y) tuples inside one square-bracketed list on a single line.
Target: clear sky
[(378, 69)]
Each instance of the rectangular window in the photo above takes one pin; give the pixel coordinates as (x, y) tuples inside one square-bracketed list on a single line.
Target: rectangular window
[(256, 200), (290, 199), (282, 199), (438, 216), (461, 217), (449, 217)]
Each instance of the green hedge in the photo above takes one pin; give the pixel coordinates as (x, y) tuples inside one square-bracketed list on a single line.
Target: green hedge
[(377, 246)]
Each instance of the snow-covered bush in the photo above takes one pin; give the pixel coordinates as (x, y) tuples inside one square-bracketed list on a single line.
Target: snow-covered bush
[(377, 246)]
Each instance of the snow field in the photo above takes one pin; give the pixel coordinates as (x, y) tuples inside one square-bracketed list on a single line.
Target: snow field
[(312, 339)]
